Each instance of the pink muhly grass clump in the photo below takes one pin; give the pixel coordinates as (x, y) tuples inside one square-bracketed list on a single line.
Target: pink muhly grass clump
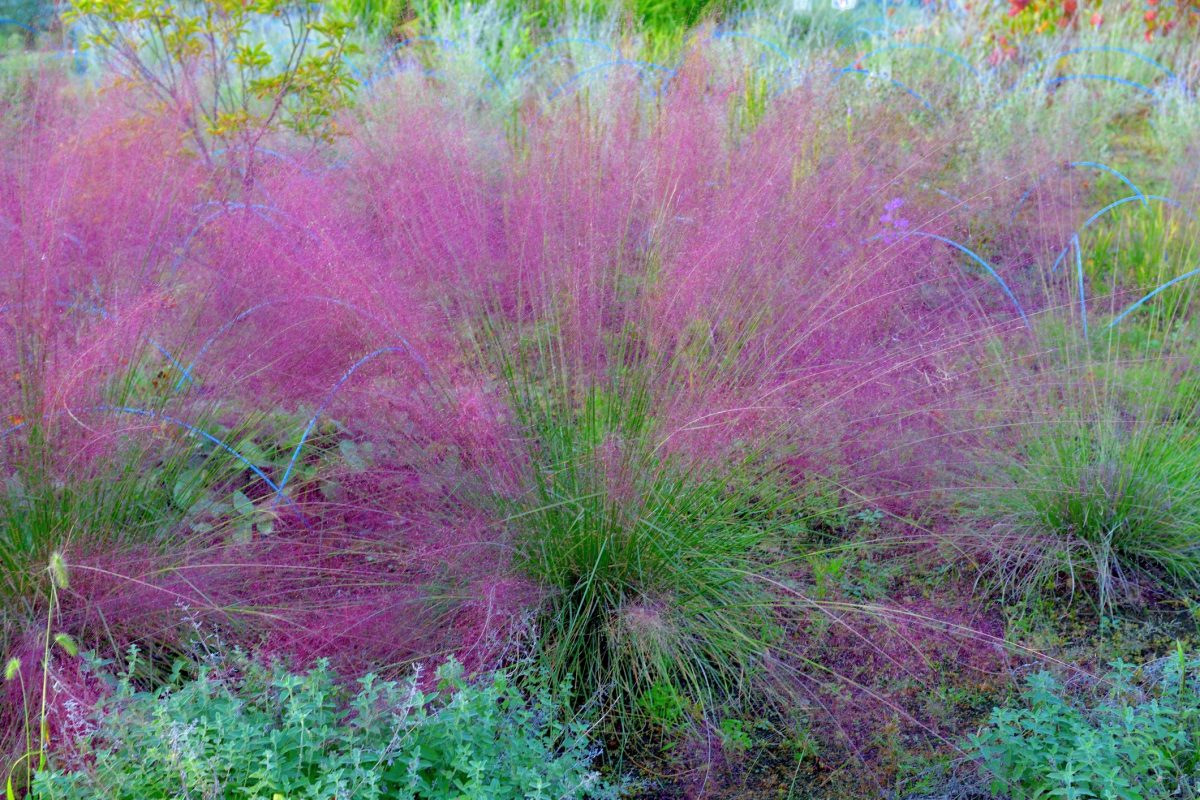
[(453, 372), (651, 307)]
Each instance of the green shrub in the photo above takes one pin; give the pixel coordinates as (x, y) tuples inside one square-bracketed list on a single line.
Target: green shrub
[(240, 730), (1118, 742), (383, 17), (655, 15), (664, 15)]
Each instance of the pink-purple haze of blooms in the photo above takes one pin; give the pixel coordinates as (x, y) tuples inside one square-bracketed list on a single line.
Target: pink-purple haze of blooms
[(345, 295)]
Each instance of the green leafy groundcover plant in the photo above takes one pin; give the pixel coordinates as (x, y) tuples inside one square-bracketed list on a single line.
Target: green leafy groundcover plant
[(241, 730), (1129, 740)]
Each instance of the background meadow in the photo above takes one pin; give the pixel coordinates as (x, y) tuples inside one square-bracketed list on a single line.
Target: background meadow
[(628, 399)]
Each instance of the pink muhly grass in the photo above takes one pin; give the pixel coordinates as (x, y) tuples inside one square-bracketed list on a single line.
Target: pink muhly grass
[(476, 361)]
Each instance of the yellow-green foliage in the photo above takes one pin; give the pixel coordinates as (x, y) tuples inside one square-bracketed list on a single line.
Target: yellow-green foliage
[(233, 72)]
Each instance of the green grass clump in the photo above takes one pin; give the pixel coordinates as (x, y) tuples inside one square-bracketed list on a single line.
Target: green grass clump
[(1141, 250), (243, 730), (651, 563), (1104, 492), (385, 17), (666, 15), (657, 16)]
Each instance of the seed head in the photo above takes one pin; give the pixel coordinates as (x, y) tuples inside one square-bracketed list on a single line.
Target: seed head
[(58, 570)]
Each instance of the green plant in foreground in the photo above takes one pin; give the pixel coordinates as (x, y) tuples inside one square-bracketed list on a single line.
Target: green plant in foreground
[(242, 730), (1122, 741)]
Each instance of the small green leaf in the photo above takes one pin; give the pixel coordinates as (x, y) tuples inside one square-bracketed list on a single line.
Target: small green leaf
[(252, 452), (242, 504), (188, 487), (243, 532), (350, 452)]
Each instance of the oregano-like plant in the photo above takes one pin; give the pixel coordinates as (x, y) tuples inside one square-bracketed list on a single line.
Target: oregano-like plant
[(1125, 739), (240, 729)]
